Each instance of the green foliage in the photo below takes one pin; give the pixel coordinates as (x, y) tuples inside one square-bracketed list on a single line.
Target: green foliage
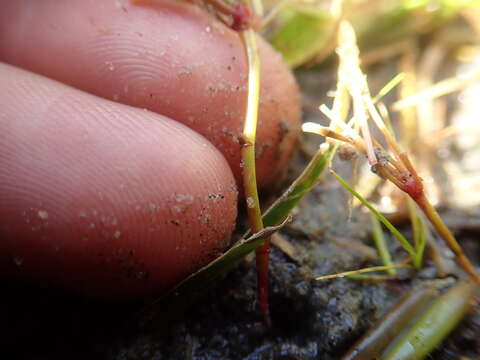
[(303, 35), (299, 188), (379, 239), (305, 31), (406, 245)]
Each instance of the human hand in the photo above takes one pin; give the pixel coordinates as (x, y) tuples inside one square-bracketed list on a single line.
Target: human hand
[(102, 196)]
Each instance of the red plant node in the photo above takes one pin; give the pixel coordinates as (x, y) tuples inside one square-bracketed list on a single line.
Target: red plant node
[(411, 186), (242, 18)]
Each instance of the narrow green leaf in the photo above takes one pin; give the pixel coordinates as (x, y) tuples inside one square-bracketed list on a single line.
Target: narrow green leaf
[(299, 188), (379, 239), (397, 79), (406, 245), (419, 233), (360, 271), (421, 240)]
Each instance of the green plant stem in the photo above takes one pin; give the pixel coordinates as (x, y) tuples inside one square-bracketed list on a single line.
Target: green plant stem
[(250, 131), (280, 209), (249, 174), (379, 239), (419, 233), (446, 235)]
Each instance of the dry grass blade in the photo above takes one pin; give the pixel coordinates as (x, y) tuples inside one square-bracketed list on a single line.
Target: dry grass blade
[(439, 89), (361, 271)]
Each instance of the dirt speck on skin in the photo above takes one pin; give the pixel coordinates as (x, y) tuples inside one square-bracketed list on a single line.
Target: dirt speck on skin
[(110, 66), (43, 214), (184, 72), (18, 261)]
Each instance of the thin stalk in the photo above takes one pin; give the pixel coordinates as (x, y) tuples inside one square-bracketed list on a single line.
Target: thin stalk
[(315, 128), (355, 82), (420, 243), (341, 105), (267, 19), (249, 173), (408, 116), (250, 130), (361, 271), (379, 239), (397, 79), (221, 6), (377, 119), (257, 7), (446, 235), (376, 279), (386, 174), (279, 210), (439, 89), (419, 233)]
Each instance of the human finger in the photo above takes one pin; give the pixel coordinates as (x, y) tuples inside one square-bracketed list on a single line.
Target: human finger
[(172, 59), (101, 197)]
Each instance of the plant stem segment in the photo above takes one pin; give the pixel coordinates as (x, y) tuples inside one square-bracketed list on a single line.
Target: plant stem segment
[(379, 239), (249, 174), (446, 235)]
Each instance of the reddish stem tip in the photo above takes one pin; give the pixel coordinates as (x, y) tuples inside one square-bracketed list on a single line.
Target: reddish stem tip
[(242, 18), (262, 260), (412, 186)]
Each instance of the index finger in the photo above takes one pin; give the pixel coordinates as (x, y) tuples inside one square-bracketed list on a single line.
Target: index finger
[(173, 59)]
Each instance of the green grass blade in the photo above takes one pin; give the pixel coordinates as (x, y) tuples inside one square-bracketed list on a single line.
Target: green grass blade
[(420, 242), (397, 79), (419, 233), (406, 245), (299, 188), (379, 239), (359, 271)]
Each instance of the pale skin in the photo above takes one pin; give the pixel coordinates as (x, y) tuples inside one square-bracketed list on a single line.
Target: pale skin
[(99, 195)]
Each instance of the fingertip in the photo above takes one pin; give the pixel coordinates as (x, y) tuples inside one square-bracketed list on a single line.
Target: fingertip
[(103, 198)]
